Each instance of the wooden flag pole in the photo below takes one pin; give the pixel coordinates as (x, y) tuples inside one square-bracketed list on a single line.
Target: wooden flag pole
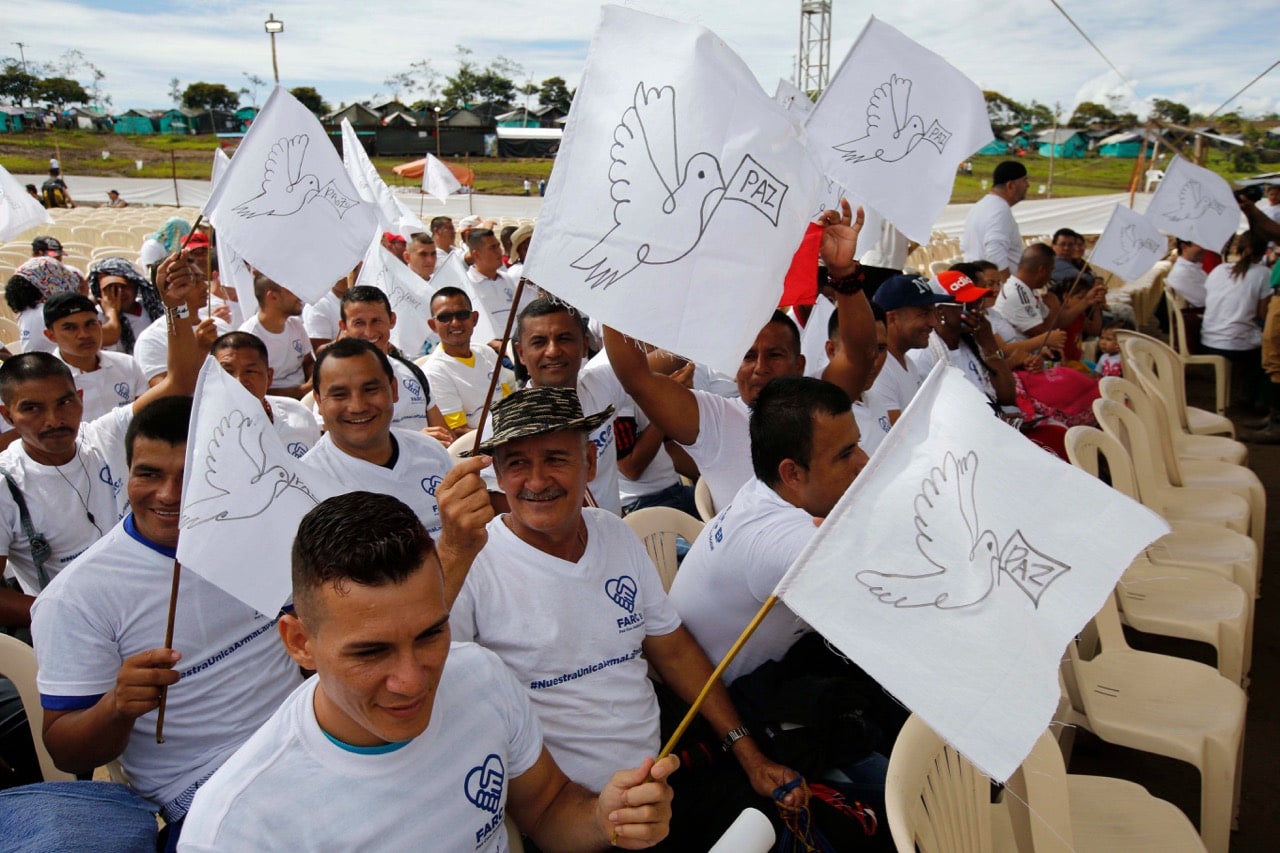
[(715, 675), (493, 380), (173, 170), (1053, 319), (168, 644)]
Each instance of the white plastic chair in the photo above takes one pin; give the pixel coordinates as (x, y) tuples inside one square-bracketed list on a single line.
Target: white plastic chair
[(703, 501), (1178, 332), (18, 664), (1159, 365), (658, 527)]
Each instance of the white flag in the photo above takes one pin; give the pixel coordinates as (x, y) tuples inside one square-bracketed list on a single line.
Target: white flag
[(18, 211), (232, 271), (793, 100), (453, 273), (287, 205), (1194, 204), (242, 494), (680, 193), (392, 214), (1129, 246), (409, 295), (947, 573), (893, 125), (437, 180)]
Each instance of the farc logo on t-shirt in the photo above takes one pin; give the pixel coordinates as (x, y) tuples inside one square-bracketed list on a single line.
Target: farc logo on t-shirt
[(483, 787)]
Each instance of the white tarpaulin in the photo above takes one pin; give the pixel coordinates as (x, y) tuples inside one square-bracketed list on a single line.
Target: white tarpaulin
[(680, 193), (393, 215), (18, 211), (1129, 246), (1195, 204), (894, 124), (947, 573), (288, 206), (242, 495)]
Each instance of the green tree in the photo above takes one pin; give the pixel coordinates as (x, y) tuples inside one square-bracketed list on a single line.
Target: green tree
[(310, 99), (57, 92), (210, 96), (554, 93), (472, 84), (1039, 114), (1172, 111), (17, 85), (1003, 111), (175, 91), (1089, 114), (255, 85)]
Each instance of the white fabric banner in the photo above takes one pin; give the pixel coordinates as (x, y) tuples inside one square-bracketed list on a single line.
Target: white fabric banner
[(232, 271), (1129, 246), (18, 211), (287, 205), (242, 495), (437, 180), (409, 295), (947, 573), (1194, 204), (793, 100), (680, 193), (392, 214), (893, 125)]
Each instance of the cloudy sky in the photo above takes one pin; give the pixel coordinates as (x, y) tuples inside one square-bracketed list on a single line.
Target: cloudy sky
[(1187, 51)]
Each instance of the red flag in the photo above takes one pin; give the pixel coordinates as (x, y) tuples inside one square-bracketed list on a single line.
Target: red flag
[(800, 287)]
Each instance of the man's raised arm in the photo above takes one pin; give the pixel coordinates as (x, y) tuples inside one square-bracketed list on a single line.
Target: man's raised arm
[(668, 404)]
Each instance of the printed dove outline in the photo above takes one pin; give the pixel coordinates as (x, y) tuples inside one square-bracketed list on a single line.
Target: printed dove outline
[(948, 529), (1130, 243), (235, 467), (1193, 203), (645, 171), (892, 133), (284, 188)]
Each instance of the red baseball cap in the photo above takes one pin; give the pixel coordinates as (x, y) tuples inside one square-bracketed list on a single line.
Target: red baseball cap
[(958, 287), (198, 240)]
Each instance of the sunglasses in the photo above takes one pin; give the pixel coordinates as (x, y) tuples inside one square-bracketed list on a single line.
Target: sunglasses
[(451, 316)]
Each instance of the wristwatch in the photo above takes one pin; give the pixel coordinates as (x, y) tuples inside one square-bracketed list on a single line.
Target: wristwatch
[(733, 737)]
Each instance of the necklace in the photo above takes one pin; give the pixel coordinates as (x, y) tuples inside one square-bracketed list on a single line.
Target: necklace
[(84, 499)]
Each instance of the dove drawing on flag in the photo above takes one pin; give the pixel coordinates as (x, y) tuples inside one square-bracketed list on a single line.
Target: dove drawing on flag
[(1131, 243), (892, 131), (284, 188), (236, 469), (1193, 203), (967, 557)]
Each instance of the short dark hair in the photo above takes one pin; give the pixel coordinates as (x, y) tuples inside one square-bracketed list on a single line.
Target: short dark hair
[(262, 285), (783, 320), (422, 237), (27, 366), (782, 421), (241, 340), (350, 348), (984, 265), (1036, 255), (505, 237), (971, 269), (544, 306), (449, 292), (476, 236), (166, 419), (363, 293), (366, 538), (1064, 232), (439, 222)]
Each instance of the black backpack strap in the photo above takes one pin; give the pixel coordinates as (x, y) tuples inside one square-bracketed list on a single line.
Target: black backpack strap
[(40, 548)]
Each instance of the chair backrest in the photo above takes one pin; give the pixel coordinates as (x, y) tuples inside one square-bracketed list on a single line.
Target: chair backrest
[(1125, 427), (658, 527), (936, 801), (1175, 304), (1156, 364), (1040, 808), (702, 499), (1152, 413), (1089, 447), (18, 664)]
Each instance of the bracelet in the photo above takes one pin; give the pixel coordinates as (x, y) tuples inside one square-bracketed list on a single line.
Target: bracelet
[(173, 314), (849, 284), (987, 356), (733, 737)]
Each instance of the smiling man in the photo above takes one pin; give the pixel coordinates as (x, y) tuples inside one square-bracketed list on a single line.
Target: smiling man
[(245, 357), (98, 624), (105, 379), (404, 740), (458, 371)]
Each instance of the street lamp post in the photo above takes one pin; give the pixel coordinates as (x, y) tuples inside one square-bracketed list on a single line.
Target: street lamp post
[(273, 26), (437, 132)]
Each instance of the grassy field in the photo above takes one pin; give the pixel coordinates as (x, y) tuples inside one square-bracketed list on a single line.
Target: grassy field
[(192, 157)]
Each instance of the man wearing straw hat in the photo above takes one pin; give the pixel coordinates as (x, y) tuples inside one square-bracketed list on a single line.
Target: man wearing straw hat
[(569, 600)]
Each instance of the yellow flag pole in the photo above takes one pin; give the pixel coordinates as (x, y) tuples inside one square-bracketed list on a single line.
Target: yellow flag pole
[(715, 675)]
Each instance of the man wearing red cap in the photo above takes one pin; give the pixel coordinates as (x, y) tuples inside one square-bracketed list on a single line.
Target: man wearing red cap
[(962, 336)]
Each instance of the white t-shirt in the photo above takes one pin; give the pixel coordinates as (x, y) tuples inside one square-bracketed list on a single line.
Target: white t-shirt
[(151, 349), (1002, 327), (138, 322), (287, 349), (112, 604), (495, 295), (410, 411), (813, 338), (1272, 210), (895, 386), (118, 381), (572, 634), (321, 319), (460, 388), (961, 357), (1187, 280), (990, 234), (722, 451), (31, 331), (60, 499), (731, 570), (420, 467), (290, 787), (873, 425), (1231, 307), (295, 425), (1020, 305)]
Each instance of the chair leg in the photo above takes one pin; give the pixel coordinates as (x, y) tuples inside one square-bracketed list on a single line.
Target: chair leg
[(1219, 779), (1222, 377)]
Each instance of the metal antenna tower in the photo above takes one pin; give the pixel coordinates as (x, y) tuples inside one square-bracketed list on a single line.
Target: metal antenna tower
[(813, 63)]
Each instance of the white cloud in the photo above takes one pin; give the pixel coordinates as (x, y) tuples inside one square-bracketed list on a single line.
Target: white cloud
[(1176, 50)]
